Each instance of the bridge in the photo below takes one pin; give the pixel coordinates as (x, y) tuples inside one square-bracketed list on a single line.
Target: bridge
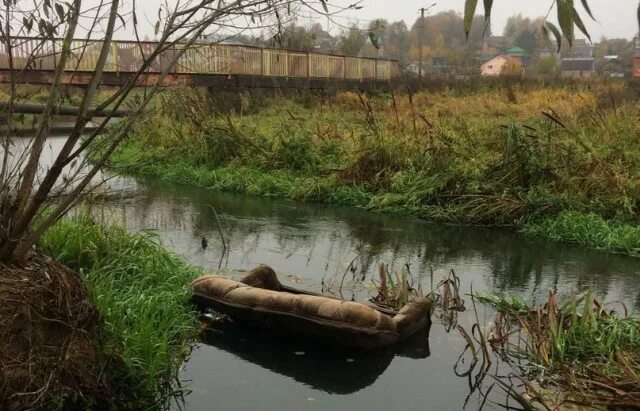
[(219, 66)]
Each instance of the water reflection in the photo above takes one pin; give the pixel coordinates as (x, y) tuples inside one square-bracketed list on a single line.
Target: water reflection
[(330, 369), (312, 243)]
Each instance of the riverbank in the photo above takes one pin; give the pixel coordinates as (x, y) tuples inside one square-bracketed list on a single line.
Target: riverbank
[(137, 324), (558, 162)]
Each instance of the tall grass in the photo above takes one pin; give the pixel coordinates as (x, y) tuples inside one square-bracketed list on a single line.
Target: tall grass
[(140, 291), (580, 346), (472, 158)]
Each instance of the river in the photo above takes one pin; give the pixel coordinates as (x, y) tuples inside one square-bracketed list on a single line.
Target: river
[(312, 246)]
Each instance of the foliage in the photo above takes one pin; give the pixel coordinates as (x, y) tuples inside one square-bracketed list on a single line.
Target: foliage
[(445, 155), (580, 346), (545, 66), (588, 229), (512, 67), (352, 42), (139, 289), (567, 16), (26, 186), (394, 293)]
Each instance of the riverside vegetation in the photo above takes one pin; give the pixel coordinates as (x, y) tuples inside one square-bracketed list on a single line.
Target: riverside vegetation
[(561, 161), (564, 353), (130, 335)]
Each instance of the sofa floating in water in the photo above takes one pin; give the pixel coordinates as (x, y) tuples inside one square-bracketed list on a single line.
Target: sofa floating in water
[(260, 300)]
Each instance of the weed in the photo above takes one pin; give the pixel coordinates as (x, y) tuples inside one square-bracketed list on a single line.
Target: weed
[(139, 289)]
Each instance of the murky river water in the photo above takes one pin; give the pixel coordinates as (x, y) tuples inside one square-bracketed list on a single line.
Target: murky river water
[(311, 246)]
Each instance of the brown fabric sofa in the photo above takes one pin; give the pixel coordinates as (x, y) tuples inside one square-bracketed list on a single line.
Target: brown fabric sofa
[(267, 303)]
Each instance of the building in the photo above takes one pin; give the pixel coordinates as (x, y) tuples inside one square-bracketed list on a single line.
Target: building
[(436, 65), (502, 64), (413, 67), (581, 67), (552, 51), (580, 48), (636, 60), (518, 53), (612, 67)]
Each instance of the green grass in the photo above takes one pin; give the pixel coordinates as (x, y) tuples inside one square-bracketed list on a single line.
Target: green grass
[(441, 156), (140, 290), (588, 229)]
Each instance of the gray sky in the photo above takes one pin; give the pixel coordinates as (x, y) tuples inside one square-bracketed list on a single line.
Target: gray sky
[(616, 18)]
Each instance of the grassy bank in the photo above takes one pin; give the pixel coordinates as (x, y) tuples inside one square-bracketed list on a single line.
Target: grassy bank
[(543, 159), (139, 289)]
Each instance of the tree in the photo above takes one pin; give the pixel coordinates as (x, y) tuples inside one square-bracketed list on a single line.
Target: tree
[(444, 36), (398, 41), (352, 42), (31, 199), (295, 37), (512, 68), (567, 16), (545, 66)]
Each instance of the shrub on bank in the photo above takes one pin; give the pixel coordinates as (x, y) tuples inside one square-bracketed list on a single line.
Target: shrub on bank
[(139, 289)]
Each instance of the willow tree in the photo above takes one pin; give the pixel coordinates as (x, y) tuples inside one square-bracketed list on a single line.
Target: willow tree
[(60, 34), (568, 19)]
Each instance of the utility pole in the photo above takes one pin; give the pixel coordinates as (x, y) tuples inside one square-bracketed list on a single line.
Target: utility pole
[(420, 42)]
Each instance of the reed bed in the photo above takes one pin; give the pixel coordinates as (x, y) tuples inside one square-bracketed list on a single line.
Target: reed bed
[(573, 352)]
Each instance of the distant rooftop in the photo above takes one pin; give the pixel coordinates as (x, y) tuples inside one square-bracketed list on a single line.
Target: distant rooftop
[(518, 51), (577, 64)]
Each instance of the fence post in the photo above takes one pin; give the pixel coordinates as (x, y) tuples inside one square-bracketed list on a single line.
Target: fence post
[(344, 67), (286, 64), (116, 56), (375, 70), (261, 61), (308, 65)]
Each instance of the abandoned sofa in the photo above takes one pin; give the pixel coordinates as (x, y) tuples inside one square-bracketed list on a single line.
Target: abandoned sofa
[(260, 300)]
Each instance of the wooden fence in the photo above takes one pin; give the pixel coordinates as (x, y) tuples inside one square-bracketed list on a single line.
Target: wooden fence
[(202, 58)]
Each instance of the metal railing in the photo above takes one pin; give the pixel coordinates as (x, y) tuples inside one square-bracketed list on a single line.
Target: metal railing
[(203, 58)]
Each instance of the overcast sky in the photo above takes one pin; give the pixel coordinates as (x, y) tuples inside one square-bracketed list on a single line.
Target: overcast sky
[(616, 18)]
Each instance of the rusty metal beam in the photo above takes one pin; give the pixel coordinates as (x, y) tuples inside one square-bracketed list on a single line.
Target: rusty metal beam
[(215, 81), (28, 108)]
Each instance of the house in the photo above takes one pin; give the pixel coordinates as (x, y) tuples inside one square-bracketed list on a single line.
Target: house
[(580, 48), (502, 64), (580, 67), (414, 65), (518, 53), (612, 67), (636, 60)]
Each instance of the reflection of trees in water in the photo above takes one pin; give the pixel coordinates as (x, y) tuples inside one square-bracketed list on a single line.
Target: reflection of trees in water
[(326, 239)]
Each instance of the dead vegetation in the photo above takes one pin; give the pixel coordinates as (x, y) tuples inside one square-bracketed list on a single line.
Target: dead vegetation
[(579, 352), (47, 354)]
